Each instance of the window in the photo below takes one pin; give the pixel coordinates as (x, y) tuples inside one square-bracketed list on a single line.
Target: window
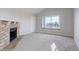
[(51, 22)]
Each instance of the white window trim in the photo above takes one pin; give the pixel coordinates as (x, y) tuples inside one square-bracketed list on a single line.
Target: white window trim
[(43, 23)]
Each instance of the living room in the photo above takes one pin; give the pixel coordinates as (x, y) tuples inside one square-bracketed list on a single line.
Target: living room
[(38, 29)]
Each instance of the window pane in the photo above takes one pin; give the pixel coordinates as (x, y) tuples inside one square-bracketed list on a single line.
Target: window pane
[(51, 22), (55, 21), (48, 22)]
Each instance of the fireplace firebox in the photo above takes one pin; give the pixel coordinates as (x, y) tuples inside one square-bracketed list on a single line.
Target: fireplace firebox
[(13, 33)]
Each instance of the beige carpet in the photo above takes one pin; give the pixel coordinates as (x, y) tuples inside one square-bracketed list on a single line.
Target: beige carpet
[(45, 42)]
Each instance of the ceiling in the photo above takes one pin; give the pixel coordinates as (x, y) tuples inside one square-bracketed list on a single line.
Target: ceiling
[(23, 11), (30, 10)]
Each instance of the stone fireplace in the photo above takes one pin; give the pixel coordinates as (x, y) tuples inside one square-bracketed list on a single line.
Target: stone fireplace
[(9, 31)]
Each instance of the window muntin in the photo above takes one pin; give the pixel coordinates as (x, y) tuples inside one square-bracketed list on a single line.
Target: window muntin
[(51, 22)]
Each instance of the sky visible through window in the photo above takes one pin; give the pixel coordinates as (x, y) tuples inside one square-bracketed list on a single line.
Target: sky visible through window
[(52, 21)]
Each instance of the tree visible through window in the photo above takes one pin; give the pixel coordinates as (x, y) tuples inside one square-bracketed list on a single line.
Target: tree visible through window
[(51, 22)]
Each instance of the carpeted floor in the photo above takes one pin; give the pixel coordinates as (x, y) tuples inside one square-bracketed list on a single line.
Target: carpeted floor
[(45, 42)]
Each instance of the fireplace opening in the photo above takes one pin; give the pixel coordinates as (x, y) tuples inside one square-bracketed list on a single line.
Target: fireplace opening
[(13, 34)]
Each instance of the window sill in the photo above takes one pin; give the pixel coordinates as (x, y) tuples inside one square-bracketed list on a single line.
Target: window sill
[(52, 28)]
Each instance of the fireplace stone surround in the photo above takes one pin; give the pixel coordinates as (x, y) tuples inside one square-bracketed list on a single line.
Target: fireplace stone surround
[(6, 28)]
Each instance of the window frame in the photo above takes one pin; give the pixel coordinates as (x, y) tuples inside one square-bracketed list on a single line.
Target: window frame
[(43, 22)]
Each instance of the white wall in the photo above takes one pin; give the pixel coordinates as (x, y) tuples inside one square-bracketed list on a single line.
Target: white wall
[(76, 29), (27, 25), (26, 22), (66, 21)]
